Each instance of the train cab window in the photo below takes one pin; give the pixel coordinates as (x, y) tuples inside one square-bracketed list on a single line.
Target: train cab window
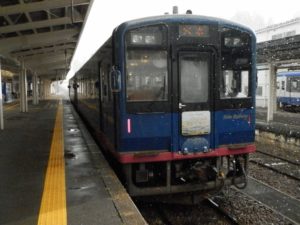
[(234, 84), (147, 75), (147, 65)]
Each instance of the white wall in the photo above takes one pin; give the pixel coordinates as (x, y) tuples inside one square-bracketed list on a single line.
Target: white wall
[(277, 31), (262, 88)]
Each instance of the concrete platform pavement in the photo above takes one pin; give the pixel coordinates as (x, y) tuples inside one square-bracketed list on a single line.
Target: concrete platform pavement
[(83, 188)]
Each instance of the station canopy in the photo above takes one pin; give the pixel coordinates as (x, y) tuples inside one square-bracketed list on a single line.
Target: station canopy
[(284, 51), (41, 33)]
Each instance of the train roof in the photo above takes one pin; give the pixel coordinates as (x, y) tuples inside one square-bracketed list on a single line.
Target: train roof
[(184, 19), (288, 74)]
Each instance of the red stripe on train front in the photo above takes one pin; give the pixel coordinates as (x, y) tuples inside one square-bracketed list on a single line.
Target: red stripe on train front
[(170, 156)]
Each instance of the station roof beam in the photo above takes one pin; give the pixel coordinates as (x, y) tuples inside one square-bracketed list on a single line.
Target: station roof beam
[(32, 30), (277, 51)]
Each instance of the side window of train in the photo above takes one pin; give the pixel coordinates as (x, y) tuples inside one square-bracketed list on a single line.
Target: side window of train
[(295, 84), (105, 79), (104, 82)]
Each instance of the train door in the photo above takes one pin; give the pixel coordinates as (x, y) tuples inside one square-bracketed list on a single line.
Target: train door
[(288, 90), (101, 78), (195, 72)]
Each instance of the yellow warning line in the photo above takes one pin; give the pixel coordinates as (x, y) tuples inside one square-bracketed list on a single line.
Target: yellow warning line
[(10, 106), (53, 206)]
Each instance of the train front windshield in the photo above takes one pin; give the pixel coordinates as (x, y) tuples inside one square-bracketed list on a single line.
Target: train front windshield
[(236, 75), (147, 75)]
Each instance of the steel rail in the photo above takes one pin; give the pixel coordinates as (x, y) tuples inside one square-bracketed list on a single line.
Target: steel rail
[(232, 219), (278, 157), (274, 169)]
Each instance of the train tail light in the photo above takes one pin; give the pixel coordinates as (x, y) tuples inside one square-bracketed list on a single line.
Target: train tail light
[(129, 126)]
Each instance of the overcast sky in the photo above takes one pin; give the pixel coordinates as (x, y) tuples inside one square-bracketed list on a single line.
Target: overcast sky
[(106, 15)]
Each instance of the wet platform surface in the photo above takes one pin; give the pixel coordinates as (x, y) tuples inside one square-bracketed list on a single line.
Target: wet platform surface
[(24, 152), (94, 195)]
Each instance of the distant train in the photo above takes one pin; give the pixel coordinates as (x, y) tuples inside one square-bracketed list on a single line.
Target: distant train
[(172, 99), (288, 89)]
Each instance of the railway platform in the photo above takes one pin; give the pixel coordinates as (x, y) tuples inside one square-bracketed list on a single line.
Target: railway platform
[(52, 172), (284, 123)]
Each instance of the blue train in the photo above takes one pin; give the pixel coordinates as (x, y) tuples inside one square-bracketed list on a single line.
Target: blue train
[(172, 100), (288, 89)]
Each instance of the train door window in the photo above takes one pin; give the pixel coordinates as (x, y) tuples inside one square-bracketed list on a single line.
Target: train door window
[(234, 84), (194, 73), (91, 88), (104, 82), (147, 75), (294, 84), (108, 82), (86, 87), (278, 85), (80, 87), (282, 85)]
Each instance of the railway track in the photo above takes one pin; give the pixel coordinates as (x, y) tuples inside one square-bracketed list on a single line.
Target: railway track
[(232, 219), (279, 157), (207, 212), (281, 203), (259, 205), (162, 215), (277, 164)]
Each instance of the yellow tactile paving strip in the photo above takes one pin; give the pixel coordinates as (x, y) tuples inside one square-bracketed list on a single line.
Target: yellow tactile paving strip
[(53, 206), (9, 107)]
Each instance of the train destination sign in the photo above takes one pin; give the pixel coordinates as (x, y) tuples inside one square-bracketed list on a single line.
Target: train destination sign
[(193, 31)]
